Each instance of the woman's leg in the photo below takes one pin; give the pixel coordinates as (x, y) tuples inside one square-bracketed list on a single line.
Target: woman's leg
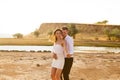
[(53, 72), (58, 74)]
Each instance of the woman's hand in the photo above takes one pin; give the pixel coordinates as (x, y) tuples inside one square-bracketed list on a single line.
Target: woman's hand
[(54, 56)]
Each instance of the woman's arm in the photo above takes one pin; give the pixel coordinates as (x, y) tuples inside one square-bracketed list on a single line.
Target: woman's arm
[(54, 54)]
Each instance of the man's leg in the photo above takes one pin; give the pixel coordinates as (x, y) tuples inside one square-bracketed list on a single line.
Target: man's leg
[(67, 68)]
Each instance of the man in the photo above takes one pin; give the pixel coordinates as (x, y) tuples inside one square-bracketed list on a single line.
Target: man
[(69, 57)]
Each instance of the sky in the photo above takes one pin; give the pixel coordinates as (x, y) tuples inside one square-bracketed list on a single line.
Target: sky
[(25, 16)]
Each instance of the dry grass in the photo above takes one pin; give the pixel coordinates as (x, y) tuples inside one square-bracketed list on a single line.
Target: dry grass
[(14, 41), (45, 42), (97, 43)]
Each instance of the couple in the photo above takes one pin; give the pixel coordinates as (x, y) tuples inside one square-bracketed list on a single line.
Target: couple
[(62, 55)]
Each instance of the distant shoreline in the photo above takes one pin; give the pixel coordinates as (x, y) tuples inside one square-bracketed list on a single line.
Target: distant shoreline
[(24, 51), (45, 51)]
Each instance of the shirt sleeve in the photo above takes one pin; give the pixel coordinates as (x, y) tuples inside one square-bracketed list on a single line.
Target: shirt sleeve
[(70, 45)]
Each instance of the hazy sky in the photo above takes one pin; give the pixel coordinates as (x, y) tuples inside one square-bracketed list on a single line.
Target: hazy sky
[(25, 16)]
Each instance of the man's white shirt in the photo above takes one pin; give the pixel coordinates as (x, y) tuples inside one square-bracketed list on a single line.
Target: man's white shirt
[(69, 44)]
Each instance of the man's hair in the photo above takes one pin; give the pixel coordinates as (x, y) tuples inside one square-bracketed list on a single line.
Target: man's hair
[(64, 28)]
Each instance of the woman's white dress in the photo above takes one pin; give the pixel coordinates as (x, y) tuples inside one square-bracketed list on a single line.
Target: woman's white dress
[(59, 62)]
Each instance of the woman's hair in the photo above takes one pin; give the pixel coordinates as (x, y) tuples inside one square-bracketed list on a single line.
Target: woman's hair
[(55, 33), (52, 37), (57, 30)]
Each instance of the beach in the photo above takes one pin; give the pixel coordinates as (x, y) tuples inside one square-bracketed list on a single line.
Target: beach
[(37, 65)]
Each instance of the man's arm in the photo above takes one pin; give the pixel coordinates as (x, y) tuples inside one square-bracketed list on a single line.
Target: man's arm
[(71, 48)]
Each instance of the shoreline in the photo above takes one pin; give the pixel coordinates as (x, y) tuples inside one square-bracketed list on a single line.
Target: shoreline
[(45, 51), (48, 51)]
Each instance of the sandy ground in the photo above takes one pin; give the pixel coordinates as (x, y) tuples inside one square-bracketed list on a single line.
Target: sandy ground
[(36, 66)]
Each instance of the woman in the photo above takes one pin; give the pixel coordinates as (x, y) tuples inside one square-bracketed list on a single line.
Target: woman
[(59, 50)]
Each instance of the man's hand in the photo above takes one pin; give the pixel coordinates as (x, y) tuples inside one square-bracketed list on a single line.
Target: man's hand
[(68, 55), (54, 56)]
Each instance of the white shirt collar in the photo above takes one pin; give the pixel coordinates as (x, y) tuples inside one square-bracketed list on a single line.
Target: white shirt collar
[(66, 36)]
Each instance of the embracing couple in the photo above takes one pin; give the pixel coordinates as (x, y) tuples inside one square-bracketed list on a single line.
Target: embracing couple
[(62, 55)]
